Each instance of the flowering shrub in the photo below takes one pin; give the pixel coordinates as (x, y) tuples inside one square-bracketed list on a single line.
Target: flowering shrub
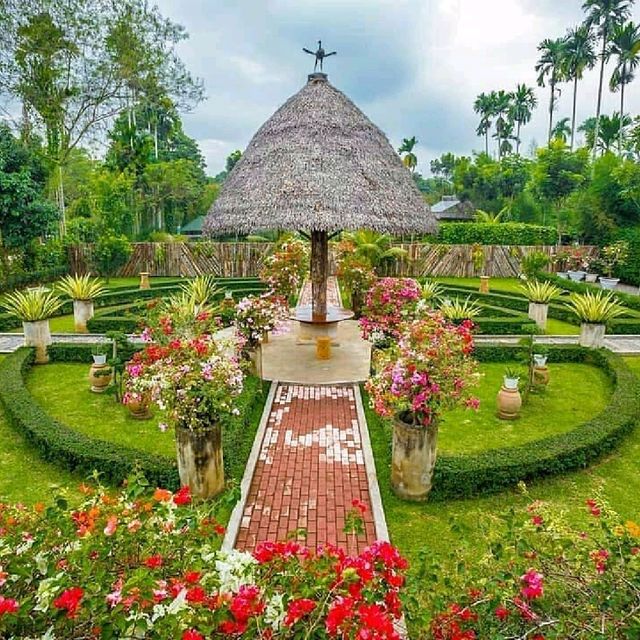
[(430, 368), (257, 314), (137, 565), (355, 272), (541, 578), (285, 269), (389, 302)]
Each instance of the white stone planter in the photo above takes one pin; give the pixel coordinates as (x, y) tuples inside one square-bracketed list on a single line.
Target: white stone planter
[(413, 459), (539, 360), (592, 335), (82, 313), (200, 461), (99, 358), (562, 274), (591, 277), (511, 383), (576, 276), (37, 334), (538, 312), (608, 283)]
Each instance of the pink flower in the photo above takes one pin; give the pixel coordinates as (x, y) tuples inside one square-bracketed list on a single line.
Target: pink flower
[(112, 525), (8, 605), (532, 582)]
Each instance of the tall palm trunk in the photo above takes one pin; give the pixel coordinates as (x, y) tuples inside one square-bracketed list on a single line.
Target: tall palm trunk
[(486, 141), (621, 110), (552, 84), (596, 132), (573, 111), (518, 139)]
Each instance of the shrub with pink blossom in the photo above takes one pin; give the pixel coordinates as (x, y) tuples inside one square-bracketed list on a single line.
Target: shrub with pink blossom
[(285, 269), (389, 303), (256, 314)]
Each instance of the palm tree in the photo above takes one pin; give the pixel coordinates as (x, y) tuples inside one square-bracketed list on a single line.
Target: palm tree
[(523, 103), (604, 15), (625, 45), (549, 66), (579, 55), (409, 160), (608, 132), (484, 107), (375, 247), (501, 107), (561, 130)]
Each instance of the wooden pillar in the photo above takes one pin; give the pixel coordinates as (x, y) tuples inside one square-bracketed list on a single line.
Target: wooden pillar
[(319, 273)]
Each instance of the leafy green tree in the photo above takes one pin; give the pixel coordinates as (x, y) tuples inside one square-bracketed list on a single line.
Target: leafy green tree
[(504, 126), (604, 16), (561, 130), (444, 166), (523, 103), (578, 55), (484, 107), (550, 69), (110, 253), (625, 46), (409, 159), (609, 131), (25, 214), (232, 160)]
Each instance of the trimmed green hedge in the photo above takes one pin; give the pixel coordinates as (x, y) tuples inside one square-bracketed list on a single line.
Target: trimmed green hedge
[(506, 233), (62, 445), (464, 476)]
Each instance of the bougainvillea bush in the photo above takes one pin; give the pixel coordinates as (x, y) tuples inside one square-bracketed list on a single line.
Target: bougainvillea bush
[(256, 314), (285, 269), (147, 565), (539, 578), (389, 303), (427, 370), (355, 273)]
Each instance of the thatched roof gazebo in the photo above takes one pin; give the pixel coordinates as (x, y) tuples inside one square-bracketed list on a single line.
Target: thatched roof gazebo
[(319, 166)]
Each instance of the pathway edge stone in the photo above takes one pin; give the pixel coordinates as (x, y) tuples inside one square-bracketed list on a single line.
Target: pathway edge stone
[(233, 526)]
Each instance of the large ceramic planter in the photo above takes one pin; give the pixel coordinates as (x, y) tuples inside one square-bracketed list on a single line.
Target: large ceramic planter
[(538, 313), (37, 334), (509, 403), (100, 377), (200, 461), (484, 284), (591, 277), (608, 283), (413, 459), (139, 409), (540, 375), (592, 335), (82, 313), (576, 276)]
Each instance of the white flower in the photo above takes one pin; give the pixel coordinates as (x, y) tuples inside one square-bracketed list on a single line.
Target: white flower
[(274, 612), (235, 568)]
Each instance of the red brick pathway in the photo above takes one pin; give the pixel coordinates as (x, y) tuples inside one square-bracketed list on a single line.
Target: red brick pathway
[(310, 469)]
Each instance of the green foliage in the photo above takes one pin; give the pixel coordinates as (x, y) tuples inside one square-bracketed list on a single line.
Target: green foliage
[(630, 271), (508, 233), (110, 253), (595, 307), (32, 305), (81, 287), (540, 292), (534, 263), (458, 310), (558, 171)]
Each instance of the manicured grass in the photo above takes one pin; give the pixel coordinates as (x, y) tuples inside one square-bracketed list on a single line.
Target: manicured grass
[(576, 392), (427, 528), (509, 285), (561, 328)]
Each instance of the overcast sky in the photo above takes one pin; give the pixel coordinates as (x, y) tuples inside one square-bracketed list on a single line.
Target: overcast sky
[(413, 66)]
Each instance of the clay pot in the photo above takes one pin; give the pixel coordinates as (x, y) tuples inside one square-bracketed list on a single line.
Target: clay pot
[(541, 375), (144, 280), (591, 335), (100, 376), (509, 403), (37, 334), (200, 460), (82, 313), (484, 284), (538, 312), (413, 458), (140, 409)]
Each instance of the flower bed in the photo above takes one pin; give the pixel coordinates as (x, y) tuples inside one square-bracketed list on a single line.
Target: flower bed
[(142, 564), (462, 476)]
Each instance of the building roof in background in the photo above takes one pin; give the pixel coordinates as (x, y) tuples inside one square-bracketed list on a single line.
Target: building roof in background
[(451, 208)]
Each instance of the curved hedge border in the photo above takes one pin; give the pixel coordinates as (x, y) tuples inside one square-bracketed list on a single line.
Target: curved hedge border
[(78, 452), (465, 476)]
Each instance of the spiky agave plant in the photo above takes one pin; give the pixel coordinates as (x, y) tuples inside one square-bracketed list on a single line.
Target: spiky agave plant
[(32, 305), (595, 308), (540, 292), (202, 289), (431, 291), (457, 309), (81, 287)]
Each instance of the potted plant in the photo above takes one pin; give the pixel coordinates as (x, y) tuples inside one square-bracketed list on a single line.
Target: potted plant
[(100, 373), (577, 263), (83, 291), (612, 256), (509, 400), (34, 307), (559, 261), (356, 274), (540, 294), (428, 370), (594, 311), (457, 310)]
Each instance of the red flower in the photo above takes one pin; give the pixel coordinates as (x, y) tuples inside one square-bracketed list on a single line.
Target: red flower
[(220, 529), (532, 588), (69, 601), (182, 496), (502, 613), (196, 595), (192, 634), (8, 605), (192, 577), (154, 562), (537, 521), (359, 505), (298, 609), (340, 610), (593, 508)]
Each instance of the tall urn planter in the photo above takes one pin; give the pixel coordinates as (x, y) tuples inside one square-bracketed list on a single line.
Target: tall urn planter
[(82, 313), (538, 313), (200, 460), (413, 458), (38, 334), (592, 335)]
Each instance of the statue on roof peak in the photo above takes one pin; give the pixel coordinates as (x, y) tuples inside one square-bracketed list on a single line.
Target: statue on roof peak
[(319, 54)]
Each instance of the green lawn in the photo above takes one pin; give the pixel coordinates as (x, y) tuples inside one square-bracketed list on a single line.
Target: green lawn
[(508, 285), (427, 528), (575, 393)]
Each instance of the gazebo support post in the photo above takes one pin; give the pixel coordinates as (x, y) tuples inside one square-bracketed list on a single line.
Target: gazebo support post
[(319, 273)]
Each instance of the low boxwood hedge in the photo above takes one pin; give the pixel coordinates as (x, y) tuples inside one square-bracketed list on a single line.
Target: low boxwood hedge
[(465, 476), (64, 446)]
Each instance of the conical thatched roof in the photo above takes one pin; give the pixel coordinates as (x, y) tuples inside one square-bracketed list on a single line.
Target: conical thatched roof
[(319, 164)]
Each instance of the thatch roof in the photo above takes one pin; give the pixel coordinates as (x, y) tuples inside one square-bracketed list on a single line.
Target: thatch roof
[(319, 164)]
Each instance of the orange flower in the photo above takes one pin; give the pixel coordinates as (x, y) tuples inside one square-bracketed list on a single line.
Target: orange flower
[(633, 528), (38, 507), (85, 489), (162, 495)]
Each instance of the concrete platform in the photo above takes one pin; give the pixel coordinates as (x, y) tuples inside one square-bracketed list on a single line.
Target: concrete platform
[(285, 360)]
